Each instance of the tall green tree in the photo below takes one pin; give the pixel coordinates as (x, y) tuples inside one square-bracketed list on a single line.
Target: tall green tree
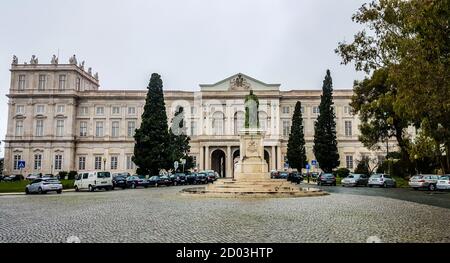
[(296, 153), (152, 140), (325, 143), (179, 141)]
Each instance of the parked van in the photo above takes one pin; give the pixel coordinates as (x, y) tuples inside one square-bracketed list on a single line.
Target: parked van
[(93, 180)]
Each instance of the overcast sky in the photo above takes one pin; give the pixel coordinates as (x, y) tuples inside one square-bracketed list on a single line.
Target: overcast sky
[(188, 42)]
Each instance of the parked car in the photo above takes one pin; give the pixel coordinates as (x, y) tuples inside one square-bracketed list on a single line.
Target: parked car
[(119, 181), (295, 177), (136, 181), (443, 183), (211, 176), (326, 179), (424, 181), (43, 186), (13, 178), (49, 176), (93, 180), (191, 178), (2, 177), (153, 180), (355, 180), (273, 174), (178, 178), (201, 178), (120, 174), (33, 176), (164, 180), (382, 180)]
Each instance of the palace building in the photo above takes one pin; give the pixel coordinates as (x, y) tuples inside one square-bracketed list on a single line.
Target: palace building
[(59, 120)]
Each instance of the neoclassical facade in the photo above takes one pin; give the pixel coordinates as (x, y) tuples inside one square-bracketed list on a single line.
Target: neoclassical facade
[(59, 120)]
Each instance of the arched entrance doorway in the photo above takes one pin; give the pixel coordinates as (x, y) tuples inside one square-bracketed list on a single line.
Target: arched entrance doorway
[(218, 162), (267, 158), (235, 160)]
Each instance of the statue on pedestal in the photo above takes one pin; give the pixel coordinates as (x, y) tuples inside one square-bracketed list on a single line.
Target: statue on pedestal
[(251, 111)]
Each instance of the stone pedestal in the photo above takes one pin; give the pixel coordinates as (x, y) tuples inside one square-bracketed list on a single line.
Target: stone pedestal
[(252, 165)]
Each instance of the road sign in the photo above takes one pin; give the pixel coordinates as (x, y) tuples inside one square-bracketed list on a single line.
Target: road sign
[(314, 162), (307, 167), (175, 165), (21, 164)]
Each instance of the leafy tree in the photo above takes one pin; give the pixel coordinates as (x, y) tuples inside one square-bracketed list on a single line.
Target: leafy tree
[(362, 167), (296, 153), (152, 140), (179, 141), (325, 143)]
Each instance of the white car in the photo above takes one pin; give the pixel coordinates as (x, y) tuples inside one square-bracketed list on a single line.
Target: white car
[(93, 180), (33, 176), (426, 181), (382, 180), (443, 183), (42, 186)]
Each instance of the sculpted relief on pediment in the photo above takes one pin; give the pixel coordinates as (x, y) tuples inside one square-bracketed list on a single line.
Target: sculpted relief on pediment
[(239, 83)]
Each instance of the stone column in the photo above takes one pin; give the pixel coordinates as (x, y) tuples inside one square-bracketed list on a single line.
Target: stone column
[(229, 165), (201, 163), (279, 161), (207, 158), (273, 165)]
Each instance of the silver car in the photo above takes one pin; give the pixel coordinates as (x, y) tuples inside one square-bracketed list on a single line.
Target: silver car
[(443, 182), (355, 180), (425, 181), (42, 186), (382, 180)]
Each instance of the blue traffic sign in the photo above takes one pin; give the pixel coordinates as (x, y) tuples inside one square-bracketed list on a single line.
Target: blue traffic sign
[(307, 167), (314, 162), (21, 164)]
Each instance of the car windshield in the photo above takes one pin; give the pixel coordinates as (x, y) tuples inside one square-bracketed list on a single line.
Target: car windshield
[(201, 174), (415, 177), (376, 176), (327, 175), (120, 177), (141, 176), (52, 181), (154, 177), (103, 175), (445, 178)]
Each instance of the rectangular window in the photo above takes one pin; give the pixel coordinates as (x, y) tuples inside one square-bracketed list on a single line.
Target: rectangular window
[(19, 128), (78, 84), (20, 109), (37, 161), (302, 109), (193, 128), (21, 82), (59, 128), (39, 127), (316, 110), (83, 129), (62, 82), (286, 127), (100, 110), (348, 128), (82, 163), (194, 160), (98, 163), (99, 129), (349, 161), (114, 161), (83, 111), (285, 109), (381, 159), (42, 82), (347, 110), (131, 110), (40, 109), (131, 128), (58, 162), (115, 110), (60, 109), (130, 164), (16, 159), (115, 129)]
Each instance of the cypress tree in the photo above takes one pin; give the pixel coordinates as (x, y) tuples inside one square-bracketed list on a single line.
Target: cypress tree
[(296, 153), (152, 140), (325, 143)]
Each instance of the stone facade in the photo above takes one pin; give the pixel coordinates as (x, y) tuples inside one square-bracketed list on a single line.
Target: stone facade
[(59, 120)]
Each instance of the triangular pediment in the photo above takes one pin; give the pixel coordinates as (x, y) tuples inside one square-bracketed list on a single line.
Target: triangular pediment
[(239, 82)]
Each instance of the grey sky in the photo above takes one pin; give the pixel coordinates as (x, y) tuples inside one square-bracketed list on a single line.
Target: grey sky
[(188, 42)]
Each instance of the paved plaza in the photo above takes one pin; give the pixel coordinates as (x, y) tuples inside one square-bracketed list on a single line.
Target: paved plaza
[(163, 215)]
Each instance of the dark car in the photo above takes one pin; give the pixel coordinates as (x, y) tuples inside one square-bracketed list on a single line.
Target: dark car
[(190, 178), (178, 178), (13, 178), (153, 180), (164, 180), (119, 181), (295, 177), (273, 174), (283, 175), (210, 176), (201, 178), (2, 177), (355, 180), (326, 179), (136, 181)]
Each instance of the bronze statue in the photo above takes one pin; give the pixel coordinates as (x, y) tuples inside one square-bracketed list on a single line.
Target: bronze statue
[(251, 111)]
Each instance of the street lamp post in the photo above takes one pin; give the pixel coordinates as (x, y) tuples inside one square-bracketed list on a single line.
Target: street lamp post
[(104, 163)]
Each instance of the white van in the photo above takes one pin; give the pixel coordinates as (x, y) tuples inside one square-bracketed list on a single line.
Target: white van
[(93, 180)]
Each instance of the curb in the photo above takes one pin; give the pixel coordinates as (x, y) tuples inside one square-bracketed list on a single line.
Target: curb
[(22, 193)]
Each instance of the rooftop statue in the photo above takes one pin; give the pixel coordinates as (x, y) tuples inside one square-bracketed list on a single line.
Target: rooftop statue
[(96, 75), (54, 60), (34, 60), (15, 60), (73, 60)]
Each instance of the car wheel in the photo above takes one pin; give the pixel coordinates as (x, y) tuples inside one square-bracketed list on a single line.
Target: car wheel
[(175, 183), (123, 187), (145, 186), (76, 189), (415, 188), (91, 189), (431, 187), (112, 187), (334, 184), (27, 191), (40, 191), (385, 185), (59, 191), (133, 186), (370, 185), (156, 185)]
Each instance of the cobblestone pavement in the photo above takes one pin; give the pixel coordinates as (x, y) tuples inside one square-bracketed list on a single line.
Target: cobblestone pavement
[(163, 215)]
